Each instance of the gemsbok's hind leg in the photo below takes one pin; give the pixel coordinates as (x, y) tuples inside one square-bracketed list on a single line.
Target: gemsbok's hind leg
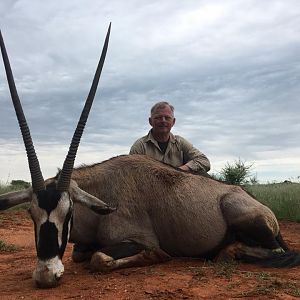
[(239, 250), (125, 255), (250, 222), (256, 232)]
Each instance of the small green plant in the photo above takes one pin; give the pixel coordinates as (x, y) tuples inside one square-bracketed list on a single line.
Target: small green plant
[(262, 276), (292, 289), (198, 272), (149, 270), (4, 247), (233, 284), (225, 268), (268, 285)]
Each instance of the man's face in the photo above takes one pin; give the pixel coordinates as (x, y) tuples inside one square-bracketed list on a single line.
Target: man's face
[(162, 120)]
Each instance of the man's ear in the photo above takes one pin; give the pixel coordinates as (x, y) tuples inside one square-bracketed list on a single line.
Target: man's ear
[(174, 120), (150, 121)]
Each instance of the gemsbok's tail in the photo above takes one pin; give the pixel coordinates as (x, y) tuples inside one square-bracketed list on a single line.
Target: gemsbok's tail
[(279, 258), (287, 259)]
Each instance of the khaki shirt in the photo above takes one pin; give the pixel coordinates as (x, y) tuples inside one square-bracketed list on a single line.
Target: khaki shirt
[(179, 152)]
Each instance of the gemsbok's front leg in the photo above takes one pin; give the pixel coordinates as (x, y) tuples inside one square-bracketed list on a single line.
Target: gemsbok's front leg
[(126, 255)]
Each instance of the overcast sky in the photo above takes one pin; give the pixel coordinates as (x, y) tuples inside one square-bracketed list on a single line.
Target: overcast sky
[(231, 69)]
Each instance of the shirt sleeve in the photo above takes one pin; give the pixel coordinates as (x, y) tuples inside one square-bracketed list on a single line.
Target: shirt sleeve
[(137, 148), (193, 158)]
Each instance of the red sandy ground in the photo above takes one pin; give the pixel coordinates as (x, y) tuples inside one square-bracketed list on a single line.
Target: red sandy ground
[(177, 279)]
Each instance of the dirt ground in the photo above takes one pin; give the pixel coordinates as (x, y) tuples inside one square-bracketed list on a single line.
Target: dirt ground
[(177, 279)]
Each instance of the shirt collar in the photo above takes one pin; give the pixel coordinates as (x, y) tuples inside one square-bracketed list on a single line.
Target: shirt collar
[(153, 140)]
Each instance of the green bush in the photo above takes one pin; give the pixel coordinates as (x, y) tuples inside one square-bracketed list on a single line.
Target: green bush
[(237, 173)]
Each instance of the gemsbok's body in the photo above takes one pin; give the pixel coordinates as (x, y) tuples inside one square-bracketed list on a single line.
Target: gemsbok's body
[(134, 211)]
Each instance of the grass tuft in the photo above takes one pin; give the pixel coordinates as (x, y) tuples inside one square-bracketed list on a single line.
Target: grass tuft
[(269, 285), (225, 268), (4, 247)]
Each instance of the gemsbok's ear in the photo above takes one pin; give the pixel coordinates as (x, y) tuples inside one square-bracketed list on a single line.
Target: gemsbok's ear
[(14, 198), (95, 204)]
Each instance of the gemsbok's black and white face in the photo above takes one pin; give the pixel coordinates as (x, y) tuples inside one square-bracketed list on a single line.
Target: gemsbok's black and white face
[(51, 213), (51, 200)]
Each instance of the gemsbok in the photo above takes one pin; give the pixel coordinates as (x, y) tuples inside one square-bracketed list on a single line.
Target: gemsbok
[(132, 210)]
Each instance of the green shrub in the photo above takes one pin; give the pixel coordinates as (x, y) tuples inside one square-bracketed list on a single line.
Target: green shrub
[(237, 173)]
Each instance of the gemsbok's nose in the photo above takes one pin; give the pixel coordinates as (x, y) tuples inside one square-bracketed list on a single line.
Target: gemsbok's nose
[(48, 284)]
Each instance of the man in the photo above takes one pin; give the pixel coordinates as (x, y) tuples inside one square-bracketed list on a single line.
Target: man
[(162, 145)]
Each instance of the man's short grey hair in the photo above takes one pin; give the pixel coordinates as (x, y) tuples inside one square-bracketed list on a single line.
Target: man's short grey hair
[(161, 104)]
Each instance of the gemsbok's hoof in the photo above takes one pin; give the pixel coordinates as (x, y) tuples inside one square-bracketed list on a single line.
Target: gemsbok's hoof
[(278, 251), (101, 262)]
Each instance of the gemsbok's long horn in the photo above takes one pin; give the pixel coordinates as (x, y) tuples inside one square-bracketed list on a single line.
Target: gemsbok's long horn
[(66, 172), (37, 179)]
